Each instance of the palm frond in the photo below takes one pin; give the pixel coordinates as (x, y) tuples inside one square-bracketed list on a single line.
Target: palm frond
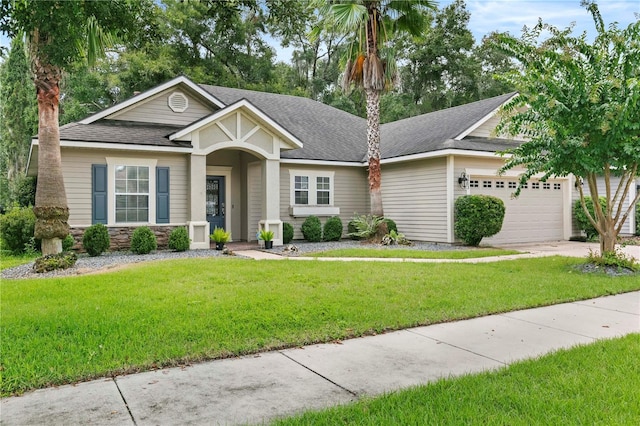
[(348, 17)]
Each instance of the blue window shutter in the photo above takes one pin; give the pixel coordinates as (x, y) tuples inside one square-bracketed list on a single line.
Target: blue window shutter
[(162, 194), (99, 190)]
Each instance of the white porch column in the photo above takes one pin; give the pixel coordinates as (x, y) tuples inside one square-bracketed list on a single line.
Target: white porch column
[(198, 225), (271, 200)]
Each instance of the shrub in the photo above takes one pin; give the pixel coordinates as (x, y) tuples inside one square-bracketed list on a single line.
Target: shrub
[(16, 228), (179, 239), (581, 217), (96, 239), (638, 219), (332, 230), (365, 226), (615, 259), (220, 236), (391, 225), (312, 229), (143, 240), (394, 238), (68, 243), (477, 216), (287, 233), (352, 230), (52, 262)]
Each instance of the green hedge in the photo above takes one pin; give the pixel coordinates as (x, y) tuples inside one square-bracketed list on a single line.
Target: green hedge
[(96, 240), (16, 228), (312, 229), (143, 240), (581, 217), (332, 230)]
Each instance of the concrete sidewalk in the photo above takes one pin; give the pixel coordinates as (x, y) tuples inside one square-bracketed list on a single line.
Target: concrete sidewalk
[(261, 387), (552, 248)]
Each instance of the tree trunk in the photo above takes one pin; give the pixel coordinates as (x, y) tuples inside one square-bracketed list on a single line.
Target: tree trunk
[(373, 150), (608, 239), (51, 208)]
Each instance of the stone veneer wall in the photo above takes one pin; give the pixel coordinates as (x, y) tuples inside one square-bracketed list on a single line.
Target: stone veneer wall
[(121, 237)]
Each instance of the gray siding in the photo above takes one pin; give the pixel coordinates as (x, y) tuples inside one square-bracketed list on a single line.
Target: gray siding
[(414, 195), (156, 110), (629, 226), (254, 202), (76, 168), (350, 194)]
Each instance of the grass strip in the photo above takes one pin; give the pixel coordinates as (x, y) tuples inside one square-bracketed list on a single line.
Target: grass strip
[(592, 384), (10, 261), (413, 254), (61, 330)]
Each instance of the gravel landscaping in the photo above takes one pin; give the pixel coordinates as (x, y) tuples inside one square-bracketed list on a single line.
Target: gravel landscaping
[(87, 264)]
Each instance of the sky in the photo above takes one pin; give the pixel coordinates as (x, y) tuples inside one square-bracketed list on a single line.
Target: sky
[(512, 15)]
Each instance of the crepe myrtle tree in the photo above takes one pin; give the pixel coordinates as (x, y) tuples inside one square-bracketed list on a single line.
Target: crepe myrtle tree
[(579, 109), (371, 25), (59, 33)]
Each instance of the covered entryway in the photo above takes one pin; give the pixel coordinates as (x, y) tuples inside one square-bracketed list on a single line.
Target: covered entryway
[(536, 215), (227, 147)]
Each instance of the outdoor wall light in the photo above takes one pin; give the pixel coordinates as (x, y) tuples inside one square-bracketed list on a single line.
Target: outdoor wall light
[(463, 180)]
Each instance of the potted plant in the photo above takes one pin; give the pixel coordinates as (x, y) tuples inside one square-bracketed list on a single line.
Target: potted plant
[(267, 237), (220, 236)]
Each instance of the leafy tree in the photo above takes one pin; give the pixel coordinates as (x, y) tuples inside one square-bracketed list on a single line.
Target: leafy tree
[(441, 71), (59, 33), (19, 118), (579, 106), (371, 63)]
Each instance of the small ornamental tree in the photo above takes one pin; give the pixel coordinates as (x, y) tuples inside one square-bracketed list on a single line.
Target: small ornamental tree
[(478, 216), (579, 107)]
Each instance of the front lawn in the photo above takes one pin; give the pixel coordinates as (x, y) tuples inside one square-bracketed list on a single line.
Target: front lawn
[(413, 254), (61, 330), (9, 260), (593, 384)]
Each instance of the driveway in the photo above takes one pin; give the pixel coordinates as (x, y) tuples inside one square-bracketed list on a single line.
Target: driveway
[(567, 248)]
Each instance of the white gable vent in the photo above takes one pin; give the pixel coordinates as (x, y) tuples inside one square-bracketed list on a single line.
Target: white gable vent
[(178, 102)]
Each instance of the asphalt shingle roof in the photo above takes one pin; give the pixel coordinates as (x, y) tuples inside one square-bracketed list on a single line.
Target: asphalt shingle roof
[(436, 130), (327, 133), (124, 132)]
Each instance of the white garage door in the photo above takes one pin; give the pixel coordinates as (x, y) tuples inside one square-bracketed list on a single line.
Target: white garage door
[(536, 215)]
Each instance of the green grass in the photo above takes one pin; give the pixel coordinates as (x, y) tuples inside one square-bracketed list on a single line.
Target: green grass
[(9, 260), (593, 384), (413, 254), (61, 330)]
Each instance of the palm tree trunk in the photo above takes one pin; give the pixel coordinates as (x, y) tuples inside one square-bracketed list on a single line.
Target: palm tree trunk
[(51, 208), (373, 150)]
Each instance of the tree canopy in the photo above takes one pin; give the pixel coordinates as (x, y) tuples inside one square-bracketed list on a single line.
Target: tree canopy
[(579, 108)]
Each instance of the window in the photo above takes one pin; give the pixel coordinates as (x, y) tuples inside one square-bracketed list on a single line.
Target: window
[(323, 190), (557, 186), (311, 193), (499, 184), (302, 190), (512, 185), (546, 185), (486, 184), (132, 193), (535, 185), (473, 184)]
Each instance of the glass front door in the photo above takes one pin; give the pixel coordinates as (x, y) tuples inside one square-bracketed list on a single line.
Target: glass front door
[(215, 202)]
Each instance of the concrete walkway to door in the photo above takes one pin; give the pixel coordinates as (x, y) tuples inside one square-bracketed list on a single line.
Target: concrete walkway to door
[(552, 248)]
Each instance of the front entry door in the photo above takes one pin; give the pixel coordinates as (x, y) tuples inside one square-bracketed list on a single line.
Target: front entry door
[(216, 202)]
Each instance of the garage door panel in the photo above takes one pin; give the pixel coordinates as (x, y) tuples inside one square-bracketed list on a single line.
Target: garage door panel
[(536, 215)]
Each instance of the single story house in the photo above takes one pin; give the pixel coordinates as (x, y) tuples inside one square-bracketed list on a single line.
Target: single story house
[(201, 156)]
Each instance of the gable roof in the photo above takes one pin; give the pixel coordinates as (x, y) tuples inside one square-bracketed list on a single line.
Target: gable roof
[(327, 133), (439, 130), (272, 125), (182, 80)]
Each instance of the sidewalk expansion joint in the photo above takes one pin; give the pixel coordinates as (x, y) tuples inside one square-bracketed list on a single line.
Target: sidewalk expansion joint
[(125, 402), (320, 375), (442, 342)]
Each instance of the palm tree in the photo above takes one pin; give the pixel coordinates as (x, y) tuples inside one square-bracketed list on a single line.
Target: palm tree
[(371, 64), (57, 34)]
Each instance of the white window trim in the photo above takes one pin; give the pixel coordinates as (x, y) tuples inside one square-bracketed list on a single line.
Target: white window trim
[(112, 162), (302, 210)]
